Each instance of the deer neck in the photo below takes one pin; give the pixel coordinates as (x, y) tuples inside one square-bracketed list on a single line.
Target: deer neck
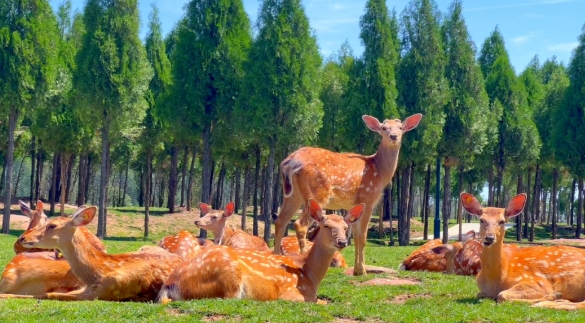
[(315, 266), (492, 260), (86, 262), (386, 160), (222, 235)]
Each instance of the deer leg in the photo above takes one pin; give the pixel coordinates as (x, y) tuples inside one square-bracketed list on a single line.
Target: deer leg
[(360, 232), (301, 228), (560, 304), (527, 293), (289, 206), (293, 295), (82, 294)]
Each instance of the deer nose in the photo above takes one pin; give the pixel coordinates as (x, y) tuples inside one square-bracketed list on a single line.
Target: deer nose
[(489, 239), (21, 239), (394, 137), (342, 243)]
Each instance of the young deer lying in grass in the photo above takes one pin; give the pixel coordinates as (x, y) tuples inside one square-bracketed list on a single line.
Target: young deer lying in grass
[(37, 219), (223, 272), (185, 244), (215, 221), (530, 274), (135, 276), (424, 259)]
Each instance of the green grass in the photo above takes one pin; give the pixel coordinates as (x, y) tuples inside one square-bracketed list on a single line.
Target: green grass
[(439, 298)]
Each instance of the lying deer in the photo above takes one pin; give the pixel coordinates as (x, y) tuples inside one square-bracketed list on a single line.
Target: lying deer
[(184, 243), (530, 274), (215, 221), (432, 256), (340, 181), (37, 219), (135, 276), (462, 258), (290, 247), (223, 272)]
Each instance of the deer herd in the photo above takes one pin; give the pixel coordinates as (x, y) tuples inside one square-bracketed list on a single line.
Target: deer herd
[(60, 259)]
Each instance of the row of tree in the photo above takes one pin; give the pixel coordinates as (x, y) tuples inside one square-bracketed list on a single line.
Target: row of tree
[(213, 102)]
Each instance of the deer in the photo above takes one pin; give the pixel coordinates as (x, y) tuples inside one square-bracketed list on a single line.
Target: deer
[(215, 221), (224, 272), (537, 275), (184, 244), (290, 247), (134, 276), (461, 256), (339, 181), (432, 256)]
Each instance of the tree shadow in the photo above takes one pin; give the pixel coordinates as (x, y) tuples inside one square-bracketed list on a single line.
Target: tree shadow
[(468, 300)]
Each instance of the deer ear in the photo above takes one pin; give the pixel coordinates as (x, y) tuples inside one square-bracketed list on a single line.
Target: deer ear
[(25, 209), (315, 210), (471, 204), (355, 213), (83, 216), (205, 208), (516, 205), (40, 205), (443, 249), (372, 123), (411, 122), (469, 235), (229, 209)]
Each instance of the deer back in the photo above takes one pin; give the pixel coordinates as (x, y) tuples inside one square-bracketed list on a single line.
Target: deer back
[(424, 259), (184, 244)]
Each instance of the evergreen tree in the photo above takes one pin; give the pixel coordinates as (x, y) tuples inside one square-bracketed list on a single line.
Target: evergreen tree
[(112, 77), (423, 89), (28, 63), (466, 113)]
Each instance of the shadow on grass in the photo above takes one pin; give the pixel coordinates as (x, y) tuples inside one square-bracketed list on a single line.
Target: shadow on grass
[(544, 232), (468, 300), (121, 239), (15, 233)]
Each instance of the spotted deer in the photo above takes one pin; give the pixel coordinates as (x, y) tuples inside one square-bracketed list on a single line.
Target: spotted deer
[(184, 243), (134, 276), (215, 221), (224, 272), (467, 261), (290, 247), (530, 274), (432, 256), (460, 256), (339, 181)]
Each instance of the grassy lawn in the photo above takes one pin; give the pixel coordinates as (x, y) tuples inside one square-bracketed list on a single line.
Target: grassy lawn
[(438, 297)]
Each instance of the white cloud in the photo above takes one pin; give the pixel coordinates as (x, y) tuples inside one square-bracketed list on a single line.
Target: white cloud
[(332, 25), (521, 39), (563, 48), (338, 6)]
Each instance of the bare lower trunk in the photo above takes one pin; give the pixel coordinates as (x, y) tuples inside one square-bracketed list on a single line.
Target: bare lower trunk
[(237, 179), (147, 177), (245, 197), (404, 221), (81, 184), (275, 193), (18, 176), (191, 176), (519, 190), (459, 205), (411, 195), (12, 120), (184, 174), (554, 204), (573, 200), (87, 178), (535, 202), (39, 171), (123, 202), (383, 211), (491, 186), (53, 190), (426, 204), (64, 162), (579, 209), (220, 185), (103, 181), (499, 197), (173, 180), (391, 208), (33, 159), (446, 201), (269, 186), (528, 209), (206, 173), (256, 184)]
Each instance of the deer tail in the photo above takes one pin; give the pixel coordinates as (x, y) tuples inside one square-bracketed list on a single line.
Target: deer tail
[(288, 168)]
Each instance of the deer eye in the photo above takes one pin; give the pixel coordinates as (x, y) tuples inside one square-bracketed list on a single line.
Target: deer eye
[(502, 222), (481, 221), (384, 128), (51, 226)]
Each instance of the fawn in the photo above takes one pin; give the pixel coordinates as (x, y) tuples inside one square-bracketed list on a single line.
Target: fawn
[(224, 272), (184, 244)]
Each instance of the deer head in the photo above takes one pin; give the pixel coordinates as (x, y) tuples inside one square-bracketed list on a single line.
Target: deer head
[(214, 220), (57, 229), (333, 228), (37, 217), (492, 220), (392, 130)]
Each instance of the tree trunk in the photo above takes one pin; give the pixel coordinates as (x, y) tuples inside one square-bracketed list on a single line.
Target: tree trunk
[(184, 174), (490, 186), (220, 179), (123, 201), (391, 207), (173, 180), (546, 213), (237, 193), (191, 176), (206, 173), (256, 184), (426, 204), (573, 200), (147, 177), (33, 159), (383, 212), (53, 190), (275, 192), (404, 221), (579, 209), (459, 204), (410, 197), (527, 209), (39, 171), (81, 184), (535, 202), (245, 197), (554, 204), (103, 180), (12, 120), (446, 201), (18, 176), (64, 162), (499, 195), (519, 190), (269, 187), (161, 190)]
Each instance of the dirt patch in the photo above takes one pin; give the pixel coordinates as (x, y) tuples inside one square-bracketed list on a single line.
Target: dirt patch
[(174, 311), (221, 318), (401, 299), (372, 270)]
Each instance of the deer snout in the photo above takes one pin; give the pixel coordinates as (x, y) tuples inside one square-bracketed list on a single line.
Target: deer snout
[(489, 239), (393, 137), (342, 243)]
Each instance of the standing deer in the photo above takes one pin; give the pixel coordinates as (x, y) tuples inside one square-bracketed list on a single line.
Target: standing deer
[(224, 272), (530, 274), (215, 221), (135, 276), (339, 181), (184, 243)]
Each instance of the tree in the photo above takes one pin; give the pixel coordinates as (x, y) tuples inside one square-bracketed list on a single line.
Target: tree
[(423, 89), (466, 112), (282, 84), (569, 118), (28, 59), (112, 77)]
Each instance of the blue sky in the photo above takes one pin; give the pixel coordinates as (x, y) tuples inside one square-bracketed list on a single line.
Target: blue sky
[(530, 27)]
